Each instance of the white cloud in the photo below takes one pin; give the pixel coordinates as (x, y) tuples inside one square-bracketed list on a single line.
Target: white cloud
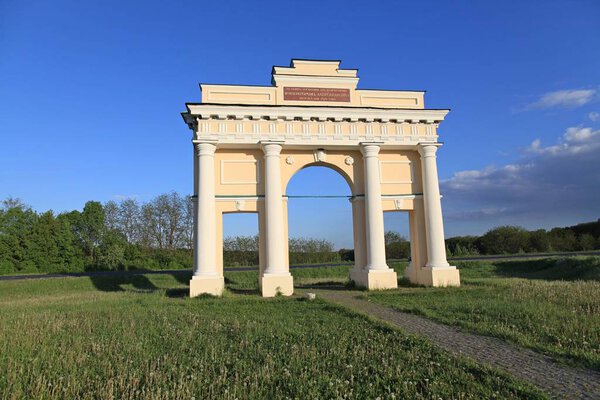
[(563, 99), (549, 186), (574, 141), (594, 116)]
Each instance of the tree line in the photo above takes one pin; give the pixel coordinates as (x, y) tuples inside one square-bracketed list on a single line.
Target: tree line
[(508, 240), (122, 235), (514, 240), (128, 234), (243, 251)]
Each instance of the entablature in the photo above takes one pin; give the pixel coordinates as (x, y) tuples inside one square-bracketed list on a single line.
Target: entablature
[(325, 125)]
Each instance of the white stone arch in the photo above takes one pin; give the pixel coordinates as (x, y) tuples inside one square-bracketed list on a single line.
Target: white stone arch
[(250, 140)]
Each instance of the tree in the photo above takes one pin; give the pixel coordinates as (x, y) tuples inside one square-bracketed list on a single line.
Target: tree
[(128, 220), (563, 239), (13, 202), (188, 223), (505, 240), (539, 241), (393, 237), (396, 246), (17, 222), (111, 251), (463, 245), (587, 242), (111, 212), (88, 228), (173, 206)]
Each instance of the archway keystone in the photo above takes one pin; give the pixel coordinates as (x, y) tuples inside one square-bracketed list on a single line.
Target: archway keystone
[(250, 140)]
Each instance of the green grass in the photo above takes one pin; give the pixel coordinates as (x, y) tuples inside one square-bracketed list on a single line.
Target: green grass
[(550, 305), (141, 337)]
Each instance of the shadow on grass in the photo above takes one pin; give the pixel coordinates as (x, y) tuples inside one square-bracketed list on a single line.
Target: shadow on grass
[(329, 285), (177, 293), (140, 283), (568, 269), (405, 283), (183, 277)]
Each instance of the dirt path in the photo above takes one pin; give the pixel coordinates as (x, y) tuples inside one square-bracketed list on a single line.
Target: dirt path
[(557, 380)]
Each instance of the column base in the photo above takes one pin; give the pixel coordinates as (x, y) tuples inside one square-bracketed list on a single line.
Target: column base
[(436, 277), (375, 279), (213, 285), (273, 284)]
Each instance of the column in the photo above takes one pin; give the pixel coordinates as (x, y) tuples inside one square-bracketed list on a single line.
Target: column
[(276, 278), (374, 211), (205, 257), (206, 278), (434, 226), (274, 209), (195, 236)]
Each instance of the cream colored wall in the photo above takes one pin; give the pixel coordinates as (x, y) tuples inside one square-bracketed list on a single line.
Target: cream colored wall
[(304, 73), (239, 172), (400, 172), (234, 94), (273, 95)]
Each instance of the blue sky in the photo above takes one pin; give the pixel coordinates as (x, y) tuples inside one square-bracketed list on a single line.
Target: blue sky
[(90, 96)]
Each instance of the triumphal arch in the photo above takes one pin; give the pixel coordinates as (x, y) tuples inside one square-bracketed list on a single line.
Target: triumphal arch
[(250, 140)]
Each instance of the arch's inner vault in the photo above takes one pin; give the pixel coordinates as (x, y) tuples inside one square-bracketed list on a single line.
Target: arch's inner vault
[(250, 140)]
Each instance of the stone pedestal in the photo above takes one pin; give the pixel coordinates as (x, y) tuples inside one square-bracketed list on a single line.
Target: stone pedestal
[(375, 279), (212, 285), (438, 277), (273, 284)]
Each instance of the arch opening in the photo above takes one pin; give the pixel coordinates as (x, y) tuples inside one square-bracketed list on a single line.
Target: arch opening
[(323, 166), (240, 244), (397, 239), (320, 222)]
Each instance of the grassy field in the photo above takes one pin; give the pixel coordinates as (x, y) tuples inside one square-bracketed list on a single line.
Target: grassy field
[(550, 305), (141, 337)]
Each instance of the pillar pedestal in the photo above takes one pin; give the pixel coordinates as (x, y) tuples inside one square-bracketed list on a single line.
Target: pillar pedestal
[(375, 279), (213, 285), (272, 285), (440, 276)]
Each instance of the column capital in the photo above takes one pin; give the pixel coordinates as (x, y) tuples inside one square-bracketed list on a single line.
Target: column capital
[(428, 149), (370, 149), (205, 148), (271, 148)]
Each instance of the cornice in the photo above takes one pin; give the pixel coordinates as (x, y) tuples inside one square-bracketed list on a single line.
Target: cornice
[(351, 114)]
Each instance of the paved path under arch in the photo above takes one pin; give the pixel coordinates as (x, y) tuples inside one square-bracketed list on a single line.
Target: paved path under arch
[(556, 380)]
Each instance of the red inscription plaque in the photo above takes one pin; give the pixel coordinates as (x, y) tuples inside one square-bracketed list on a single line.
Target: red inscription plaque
[(316, 94)]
